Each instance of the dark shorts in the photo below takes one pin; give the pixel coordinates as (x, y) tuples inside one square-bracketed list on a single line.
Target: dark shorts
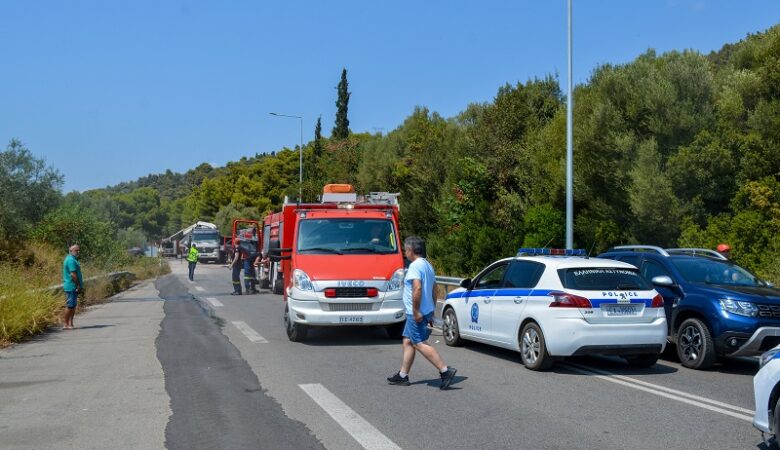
[(417, 332), (71, 299)]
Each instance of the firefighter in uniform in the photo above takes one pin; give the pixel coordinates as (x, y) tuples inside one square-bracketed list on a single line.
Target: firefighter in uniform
[(250, 279), (235, 266)]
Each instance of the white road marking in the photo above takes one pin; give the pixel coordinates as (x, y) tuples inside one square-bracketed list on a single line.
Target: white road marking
[(661, 391), (198, 288), (249, 332), (363, 432), (214, 302), (666, 389)]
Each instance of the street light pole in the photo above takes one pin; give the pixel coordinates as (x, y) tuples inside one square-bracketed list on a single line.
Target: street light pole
[(300, 155), (569, 151)]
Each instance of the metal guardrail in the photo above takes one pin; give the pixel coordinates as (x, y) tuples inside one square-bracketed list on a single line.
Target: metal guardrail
[(449, 281), (112, 277)]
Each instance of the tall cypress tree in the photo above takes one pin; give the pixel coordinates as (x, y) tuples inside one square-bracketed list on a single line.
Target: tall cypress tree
[(318, 138), (341, 129)]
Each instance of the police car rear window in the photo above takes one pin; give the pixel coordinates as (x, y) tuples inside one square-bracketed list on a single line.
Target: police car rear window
[(603, 279)]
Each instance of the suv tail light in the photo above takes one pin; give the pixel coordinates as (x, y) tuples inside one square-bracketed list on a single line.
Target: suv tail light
[(372, 292), (330, 292), (658, 301), (564, 300)]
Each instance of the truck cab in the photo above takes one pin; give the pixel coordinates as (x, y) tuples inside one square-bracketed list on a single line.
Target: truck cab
[(341, 262)]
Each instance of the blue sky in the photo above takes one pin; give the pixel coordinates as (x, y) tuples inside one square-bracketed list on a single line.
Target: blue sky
[(110, 91)]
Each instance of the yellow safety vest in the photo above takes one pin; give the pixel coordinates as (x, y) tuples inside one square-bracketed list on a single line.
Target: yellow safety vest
[(193, 255)]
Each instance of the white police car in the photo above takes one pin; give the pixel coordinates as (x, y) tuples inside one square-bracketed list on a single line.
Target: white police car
[(766, 388), (552, 303)]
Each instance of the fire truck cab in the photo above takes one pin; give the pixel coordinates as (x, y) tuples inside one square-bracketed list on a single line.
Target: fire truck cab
[(338, 262)]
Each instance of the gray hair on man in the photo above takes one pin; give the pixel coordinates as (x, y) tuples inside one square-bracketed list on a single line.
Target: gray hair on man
[(416, 244)]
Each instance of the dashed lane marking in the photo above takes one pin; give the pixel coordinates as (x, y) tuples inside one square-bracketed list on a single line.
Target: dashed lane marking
[(363, 432), (249, 332), (198, 288), (683, 397), (214, 302)]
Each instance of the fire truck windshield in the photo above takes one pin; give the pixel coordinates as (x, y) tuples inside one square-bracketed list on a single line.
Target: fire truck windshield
[(347, 236)]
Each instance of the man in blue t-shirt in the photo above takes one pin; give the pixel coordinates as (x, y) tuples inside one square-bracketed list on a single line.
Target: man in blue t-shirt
[(420, 305), (72, 284)]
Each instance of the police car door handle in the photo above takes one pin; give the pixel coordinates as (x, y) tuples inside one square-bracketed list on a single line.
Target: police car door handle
[(487, 300), (518, 299)]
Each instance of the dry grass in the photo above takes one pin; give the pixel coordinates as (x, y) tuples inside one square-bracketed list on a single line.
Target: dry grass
[(27, 307)]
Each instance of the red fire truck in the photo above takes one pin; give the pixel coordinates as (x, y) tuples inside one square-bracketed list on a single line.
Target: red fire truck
[(338, 262)]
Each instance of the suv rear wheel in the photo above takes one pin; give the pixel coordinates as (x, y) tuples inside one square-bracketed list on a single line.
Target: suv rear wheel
[(694, 345)]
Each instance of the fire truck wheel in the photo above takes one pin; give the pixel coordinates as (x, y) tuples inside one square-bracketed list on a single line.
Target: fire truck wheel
[(265, 284), (395, 330), (296, 332), (278, 288)]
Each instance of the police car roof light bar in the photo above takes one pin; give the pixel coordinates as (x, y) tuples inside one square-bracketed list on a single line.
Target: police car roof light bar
[(530, 251)]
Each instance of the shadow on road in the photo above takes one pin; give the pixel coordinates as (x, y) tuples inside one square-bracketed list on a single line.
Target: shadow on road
[(348, 337), (436, 382), (733, 366)]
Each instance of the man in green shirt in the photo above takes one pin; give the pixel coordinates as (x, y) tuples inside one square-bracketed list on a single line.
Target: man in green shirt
[(192, 259), (72, 284)]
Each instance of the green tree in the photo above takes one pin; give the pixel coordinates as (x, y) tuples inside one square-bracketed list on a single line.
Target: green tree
[(28, 190), (341, 128), (318, 138)]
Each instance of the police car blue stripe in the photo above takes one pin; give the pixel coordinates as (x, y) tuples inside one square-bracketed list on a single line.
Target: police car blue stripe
[(596, 302), (501, 293)]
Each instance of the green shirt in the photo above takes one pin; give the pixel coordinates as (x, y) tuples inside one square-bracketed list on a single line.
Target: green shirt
[(71, 264), (193, 255)]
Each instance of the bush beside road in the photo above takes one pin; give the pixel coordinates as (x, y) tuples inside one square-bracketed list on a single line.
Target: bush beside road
[(32, 299)]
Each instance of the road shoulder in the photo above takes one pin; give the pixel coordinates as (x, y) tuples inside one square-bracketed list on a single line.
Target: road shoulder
[(98, 386)]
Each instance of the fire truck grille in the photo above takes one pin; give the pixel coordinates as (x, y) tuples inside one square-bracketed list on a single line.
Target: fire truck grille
[(351, 292), (350, 306)]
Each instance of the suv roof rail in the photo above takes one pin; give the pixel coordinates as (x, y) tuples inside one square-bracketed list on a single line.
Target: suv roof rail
[(697, 252), (641, 248)]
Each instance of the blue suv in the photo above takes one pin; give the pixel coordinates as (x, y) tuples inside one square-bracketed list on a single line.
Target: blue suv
[(713, 307)]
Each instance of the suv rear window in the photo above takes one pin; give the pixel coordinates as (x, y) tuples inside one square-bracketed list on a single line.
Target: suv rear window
[(603, 279)]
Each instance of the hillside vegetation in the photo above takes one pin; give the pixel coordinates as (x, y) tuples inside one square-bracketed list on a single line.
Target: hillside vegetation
[(673, 149)]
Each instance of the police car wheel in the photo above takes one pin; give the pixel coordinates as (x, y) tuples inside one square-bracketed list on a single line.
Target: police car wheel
[(533, 350), (642, 360), (694, 345), (296, 332), (450, 329), (777, 423)]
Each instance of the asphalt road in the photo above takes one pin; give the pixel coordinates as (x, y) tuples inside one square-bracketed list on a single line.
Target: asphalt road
[(334, 384), (174, 364)]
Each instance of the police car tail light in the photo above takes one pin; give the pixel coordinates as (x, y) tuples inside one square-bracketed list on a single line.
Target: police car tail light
[(658, 301), (330, 292), (372, 292), (564, 300)]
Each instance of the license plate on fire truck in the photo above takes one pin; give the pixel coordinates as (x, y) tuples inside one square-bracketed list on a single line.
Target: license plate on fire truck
[(350, 319)]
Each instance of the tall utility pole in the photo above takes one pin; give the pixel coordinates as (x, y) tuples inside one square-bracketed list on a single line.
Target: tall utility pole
[(569, 151), (300, 155)]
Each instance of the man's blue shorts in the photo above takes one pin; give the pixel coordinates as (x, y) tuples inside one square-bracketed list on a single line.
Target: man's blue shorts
[(72, 299), (417, 332)]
